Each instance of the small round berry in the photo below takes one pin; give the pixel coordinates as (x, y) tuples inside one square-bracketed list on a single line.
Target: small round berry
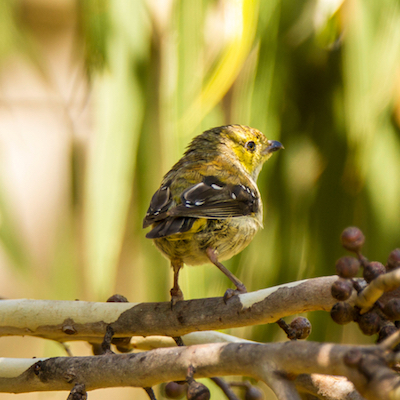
[(117, 298), (369, 323), (343, 313), (198, 391), (347, 267), (353, 357), (341, 289), (301, 327), (174, 390), (386, 331), (123, 344), (392, 309), (373, 270), (253, 393), (352, 239), (393, 261)]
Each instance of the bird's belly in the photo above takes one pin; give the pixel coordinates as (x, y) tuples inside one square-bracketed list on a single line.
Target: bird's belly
[(227, 237)]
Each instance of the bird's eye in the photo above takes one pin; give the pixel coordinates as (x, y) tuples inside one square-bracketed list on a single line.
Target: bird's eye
[(250, 145)]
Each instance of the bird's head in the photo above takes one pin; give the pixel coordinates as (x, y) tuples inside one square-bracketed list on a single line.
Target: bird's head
[(249, 145)]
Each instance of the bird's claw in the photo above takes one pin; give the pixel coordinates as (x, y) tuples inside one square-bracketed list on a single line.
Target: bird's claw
[(231, 292), (176, 295)]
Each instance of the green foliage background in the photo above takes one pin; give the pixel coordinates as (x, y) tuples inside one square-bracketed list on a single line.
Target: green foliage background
[(320, 76)]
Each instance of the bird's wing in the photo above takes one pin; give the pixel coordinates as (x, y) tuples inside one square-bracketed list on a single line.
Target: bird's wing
[(213, 199), (210, 199)]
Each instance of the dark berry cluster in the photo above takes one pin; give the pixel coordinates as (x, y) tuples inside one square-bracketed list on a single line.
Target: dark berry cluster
[(383, 316)]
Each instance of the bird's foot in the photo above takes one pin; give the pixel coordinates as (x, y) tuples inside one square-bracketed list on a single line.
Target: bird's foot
[(231, 292), (176, 295)]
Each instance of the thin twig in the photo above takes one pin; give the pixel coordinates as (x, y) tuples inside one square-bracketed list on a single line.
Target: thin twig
[(226, 388)]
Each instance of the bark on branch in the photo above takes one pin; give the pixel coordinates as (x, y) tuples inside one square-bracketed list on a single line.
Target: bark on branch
[(79, 320), (285, 367), (276, 364)]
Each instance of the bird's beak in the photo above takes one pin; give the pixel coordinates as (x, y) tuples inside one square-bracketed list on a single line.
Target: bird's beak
[(273, 145)]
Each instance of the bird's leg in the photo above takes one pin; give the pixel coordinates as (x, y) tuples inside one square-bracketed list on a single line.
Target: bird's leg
[(240, 288), (176, 292)]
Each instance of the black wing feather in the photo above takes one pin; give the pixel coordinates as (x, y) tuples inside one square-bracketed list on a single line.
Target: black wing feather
[(169, 226), (212, 199), (159, 205), (209, 199)]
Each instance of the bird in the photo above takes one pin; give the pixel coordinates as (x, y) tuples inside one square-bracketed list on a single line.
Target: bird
[(208, 207)]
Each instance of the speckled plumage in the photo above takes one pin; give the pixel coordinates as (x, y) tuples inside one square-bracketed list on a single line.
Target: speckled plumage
[(208, 207)]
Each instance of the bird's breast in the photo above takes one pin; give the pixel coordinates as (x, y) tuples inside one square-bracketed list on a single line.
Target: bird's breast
[(227, 237)]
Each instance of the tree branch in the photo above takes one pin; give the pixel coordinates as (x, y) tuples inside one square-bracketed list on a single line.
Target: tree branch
[(376, 288), (79, 320), (277, 364)]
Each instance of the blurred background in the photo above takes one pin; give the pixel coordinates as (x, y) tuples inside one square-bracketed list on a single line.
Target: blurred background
[(98, 98)]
